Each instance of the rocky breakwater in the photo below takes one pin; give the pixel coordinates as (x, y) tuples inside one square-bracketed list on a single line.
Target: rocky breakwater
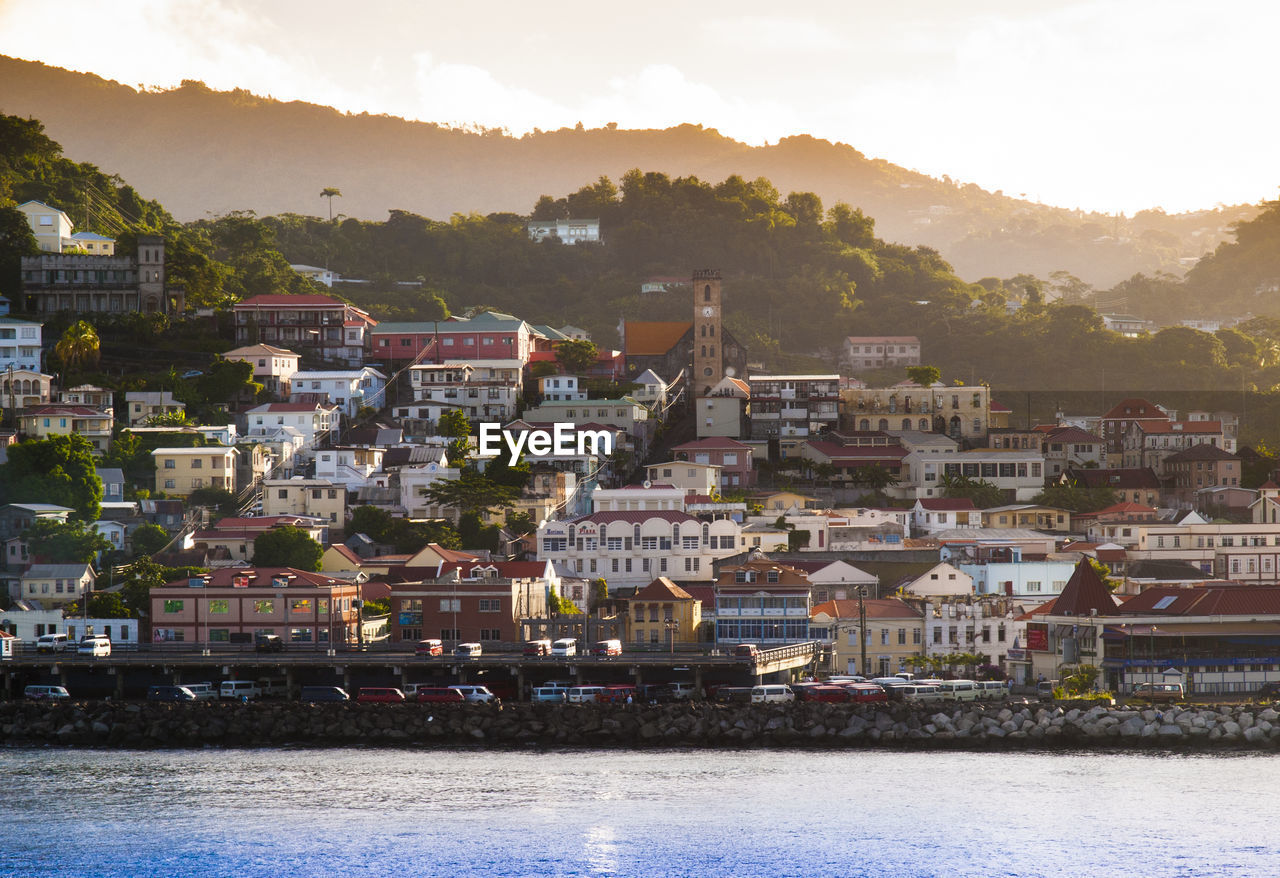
[(954, 726)]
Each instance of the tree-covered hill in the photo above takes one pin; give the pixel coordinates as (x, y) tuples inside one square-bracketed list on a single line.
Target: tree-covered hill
[(203, 153)]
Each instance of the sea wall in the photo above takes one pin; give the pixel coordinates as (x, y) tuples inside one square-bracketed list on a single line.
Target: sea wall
[(971, 726)]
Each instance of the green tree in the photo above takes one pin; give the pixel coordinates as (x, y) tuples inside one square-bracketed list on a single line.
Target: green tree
[(576, 356), (561, 606), (983, 493), (329, 192), (16, 241), (471, 492), (287, 547), (70, 542), (925, 376), (78, 347), (58, 470), (599, 591), (215, 498), (147, 539), (1076, 497), (102, 605), (371, 521)]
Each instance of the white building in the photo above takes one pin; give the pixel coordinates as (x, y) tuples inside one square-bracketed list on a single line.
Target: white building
[(348, 389), (315, 423), (273, 367), (20, 345), (348, 465), (558, 387), (316, 273), (415, 481), (632, 548), (51, 227), (486, 392), (1034, 581)]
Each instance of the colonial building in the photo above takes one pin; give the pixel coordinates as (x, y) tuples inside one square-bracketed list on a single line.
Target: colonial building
[(102, 284), (321, 327), (762, 601), (793, 406), (479, 602), (663, 613), (876, 352)]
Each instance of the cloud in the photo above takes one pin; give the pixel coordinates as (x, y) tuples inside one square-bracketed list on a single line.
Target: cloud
[(774, 34)]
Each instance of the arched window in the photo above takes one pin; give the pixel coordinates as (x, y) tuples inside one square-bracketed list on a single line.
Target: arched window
[(635, 533), (864, 424), (704, 330), (706, 534), (924, 425), (571, 533), (712, 350), (675, 533), (704, 350), (906, 423), (711, 331), (706, 293), (884, 424)]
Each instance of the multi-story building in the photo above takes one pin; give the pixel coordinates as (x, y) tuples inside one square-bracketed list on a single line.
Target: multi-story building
[(762, 601), (489, 335), (701, 479), (894, 632), (179, 471), (54, 282), (142, 405), (932, 515), (1033, 581), (1188, 473), (797, 406), (1029, 516), (878, 351), (316, 424), (1018, 474), (52, 230), (437, 389), (1148, 443), (482, 603), (313, 498), (349, 390), (349, 465), (318, 326), (632, 548), (415, 481), (55, 584), (723, 410), (663, 613), (733, 457), (961, 412), (562, 387), (23, 388), (237, 535), (850, 455), (43, 421), (1116, 422), (236, 604), (20, 344), (1067, 447), (1139, 485), (273, 367)]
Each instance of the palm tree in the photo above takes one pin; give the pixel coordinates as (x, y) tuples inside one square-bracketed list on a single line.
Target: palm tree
[(78, 347), (328, 192)]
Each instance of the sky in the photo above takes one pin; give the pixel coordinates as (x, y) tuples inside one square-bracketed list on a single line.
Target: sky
[(1108, 105)]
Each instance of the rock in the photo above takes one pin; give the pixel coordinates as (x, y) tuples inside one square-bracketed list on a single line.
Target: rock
[(1170, 730), (1254, 735)]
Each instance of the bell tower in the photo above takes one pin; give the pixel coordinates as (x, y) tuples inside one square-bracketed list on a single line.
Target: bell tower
[(708, 347)]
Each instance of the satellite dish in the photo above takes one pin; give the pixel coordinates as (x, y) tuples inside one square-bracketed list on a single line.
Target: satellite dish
[(729, 371), (648, 484)]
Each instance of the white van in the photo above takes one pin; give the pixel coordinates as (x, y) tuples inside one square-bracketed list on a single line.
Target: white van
[(920, 692), (771, 692), (467, 650), (993, 690), (585, 694), (202, 691), (607, 647), (239, 690), (565, 646), (95, 645), (53, 643), (551, 694), (959, 690), (475, 693)]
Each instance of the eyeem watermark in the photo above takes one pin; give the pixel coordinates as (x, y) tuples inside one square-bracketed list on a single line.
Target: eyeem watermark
[(562, 440)]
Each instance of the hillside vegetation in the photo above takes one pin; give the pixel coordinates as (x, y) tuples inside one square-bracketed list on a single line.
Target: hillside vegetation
[(204, 153)]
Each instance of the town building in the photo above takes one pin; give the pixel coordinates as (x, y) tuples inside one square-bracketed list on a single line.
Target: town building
[(43, 421), (315, 424), (878, 351), (1148, 443), (236, 536), (1115, 424), (961, 412), (1029, 516), (893, 634), (934, 515), (761, 601), (1189, 474), (234, 605), (273, 367), (312, 498), (793, 406), (663, 613), (437, 389), (723, 411), (54, 282), (143, 405), (562, 387), (734, 459), (55, 584), (482, 602), (702, 479), (489, 335), (23, 389), (320, 327), (350, 389), (179, 471), (21, 345)]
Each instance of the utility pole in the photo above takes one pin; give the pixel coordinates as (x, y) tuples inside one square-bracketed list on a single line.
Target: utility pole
[(862, 628)]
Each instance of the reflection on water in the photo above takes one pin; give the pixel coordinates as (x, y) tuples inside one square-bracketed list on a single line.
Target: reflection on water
[(412, 812)]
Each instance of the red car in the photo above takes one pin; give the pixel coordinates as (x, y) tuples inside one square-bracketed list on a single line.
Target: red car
[(617, 694), (865, 692), (379, 695), (822, 693), (440, 695)]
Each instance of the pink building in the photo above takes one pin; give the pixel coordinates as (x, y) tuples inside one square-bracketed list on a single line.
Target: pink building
[(487, 336), (733, 458)]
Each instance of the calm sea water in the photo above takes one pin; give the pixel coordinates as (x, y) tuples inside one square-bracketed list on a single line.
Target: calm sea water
[(304, 812)]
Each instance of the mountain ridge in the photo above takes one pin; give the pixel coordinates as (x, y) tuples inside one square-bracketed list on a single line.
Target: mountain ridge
[(203, 152)]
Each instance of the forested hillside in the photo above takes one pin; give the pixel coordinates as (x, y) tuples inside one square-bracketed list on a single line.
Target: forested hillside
[(204, 153)]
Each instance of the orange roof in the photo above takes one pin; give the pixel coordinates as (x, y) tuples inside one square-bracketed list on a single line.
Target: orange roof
[(648, 338)]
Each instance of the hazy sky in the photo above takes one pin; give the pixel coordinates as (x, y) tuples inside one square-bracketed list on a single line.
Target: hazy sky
[(1101, 104)]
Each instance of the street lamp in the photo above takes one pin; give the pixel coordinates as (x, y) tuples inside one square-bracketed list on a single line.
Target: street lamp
[(673, 626)]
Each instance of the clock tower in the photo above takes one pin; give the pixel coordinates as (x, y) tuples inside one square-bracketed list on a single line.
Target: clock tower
[(708, 347)]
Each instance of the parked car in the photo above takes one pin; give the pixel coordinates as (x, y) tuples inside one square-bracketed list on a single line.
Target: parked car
[(746, 650), (769, 692), (170, 693), (866, 692), (549, 694), (475, 693), (586, 694), (440, 695), (821, 692), (239, 690), (993, 690), (682, 690), (537, 647), (607, 647), (268, 643), (467, 650), (46, 693), (379, 695), (52, 643), (732, 694), (1168, 692), (322, 694), (429, 648), (565, 646), (203, 691), (95, 645), (618, 694)]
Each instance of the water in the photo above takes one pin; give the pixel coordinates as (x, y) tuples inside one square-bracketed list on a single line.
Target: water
[(303, 812)]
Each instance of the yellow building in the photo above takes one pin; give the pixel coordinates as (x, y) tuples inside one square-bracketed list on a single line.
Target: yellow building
[(663, 614), (318, 498), (44, 421), (894, 632), (179, 471)]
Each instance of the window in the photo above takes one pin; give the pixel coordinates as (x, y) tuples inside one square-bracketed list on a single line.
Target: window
[(490, 605), (689, 542), (1033, 586), (169, 462), (174, 606), (450, 605), (902, 636), (196, 463), (300, 605), (219, 635), (219, 607)]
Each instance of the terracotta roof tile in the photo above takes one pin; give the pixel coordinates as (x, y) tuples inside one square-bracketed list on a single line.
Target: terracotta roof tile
[(649, 338)]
